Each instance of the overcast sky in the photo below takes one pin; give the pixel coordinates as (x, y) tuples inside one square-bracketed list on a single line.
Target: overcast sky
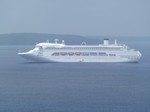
[(80, 17)]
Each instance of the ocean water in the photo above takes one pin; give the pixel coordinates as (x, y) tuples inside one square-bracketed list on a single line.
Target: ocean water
[(73, 87)]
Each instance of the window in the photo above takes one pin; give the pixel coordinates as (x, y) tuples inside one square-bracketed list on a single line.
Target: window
[(77, 53), (85, 54), (63, 53), (112, 54), (102, 54), (70, 53), (55, 54), (93, 54)]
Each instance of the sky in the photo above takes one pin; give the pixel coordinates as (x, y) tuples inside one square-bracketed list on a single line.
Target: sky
[(79, 17)]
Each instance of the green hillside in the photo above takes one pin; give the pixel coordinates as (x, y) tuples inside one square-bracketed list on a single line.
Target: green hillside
[(32, 38)]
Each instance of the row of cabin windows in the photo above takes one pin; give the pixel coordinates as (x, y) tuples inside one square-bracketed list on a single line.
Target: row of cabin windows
[(95, 48), (129, 56), (81, 54)]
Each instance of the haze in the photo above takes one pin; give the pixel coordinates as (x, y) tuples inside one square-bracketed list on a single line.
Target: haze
[(80, 17)]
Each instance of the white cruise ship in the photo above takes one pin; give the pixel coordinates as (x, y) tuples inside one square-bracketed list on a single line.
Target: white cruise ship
[(59, 52)]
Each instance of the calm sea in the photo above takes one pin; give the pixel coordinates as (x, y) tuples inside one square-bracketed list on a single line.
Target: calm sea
[(73, 87)]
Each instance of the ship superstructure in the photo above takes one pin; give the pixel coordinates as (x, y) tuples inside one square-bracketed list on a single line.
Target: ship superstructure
[(60, 52)]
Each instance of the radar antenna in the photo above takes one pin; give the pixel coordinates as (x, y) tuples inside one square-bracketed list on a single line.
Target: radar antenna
[(47, 41), (115, 42), (56, 40), (83, 43), (63, 42)]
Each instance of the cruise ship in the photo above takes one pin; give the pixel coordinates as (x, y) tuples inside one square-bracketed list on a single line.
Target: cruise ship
[(60, 52)]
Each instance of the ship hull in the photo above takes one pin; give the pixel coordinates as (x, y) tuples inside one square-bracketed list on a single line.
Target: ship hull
[(42, 58), (55, 52)]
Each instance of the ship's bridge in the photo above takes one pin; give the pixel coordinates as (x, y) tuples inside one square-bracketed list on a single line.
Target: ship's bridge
[(45, 45), (54, 45)]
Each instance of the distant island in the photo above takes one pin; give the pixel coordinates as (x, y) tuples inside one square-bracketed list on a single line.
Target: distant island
[(33, 38)]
